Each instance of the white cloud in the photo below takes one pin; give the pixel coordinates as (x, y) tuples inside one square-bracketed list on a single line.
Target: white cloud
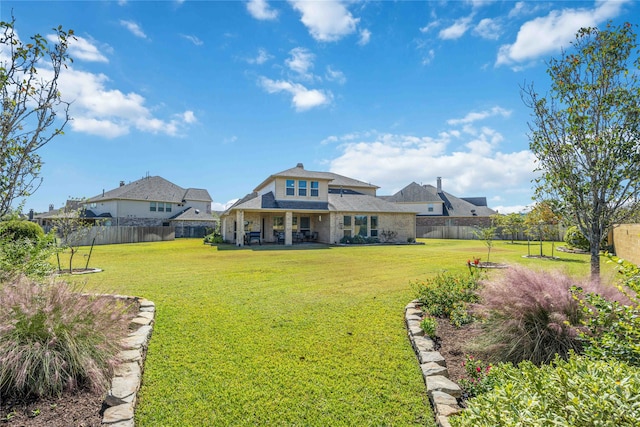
[(548, 34), (327, 21), (393, 161), (261, 10), (302, 98), (335, 76), (511, 209), (300, 62), (365, 37), (134, 28), (428, 57), (262, 57), (480, 115), (110, 113), (193, 39), (81, 49), (456, 30), (489, 29), (429, 26)]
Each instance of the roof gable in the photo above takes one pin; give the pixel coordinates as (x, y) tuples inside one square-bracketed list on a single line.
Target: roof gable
[(299, 172)]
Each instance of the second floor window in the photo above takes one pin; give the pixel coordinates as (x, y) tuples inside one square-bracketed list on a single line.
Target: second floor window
[(291, 187), (314, 189), (152, 206), (302, 188)]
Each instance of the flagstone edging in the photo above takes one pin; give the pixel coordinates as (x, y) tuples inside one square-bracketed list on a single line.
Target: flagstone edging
[(442, 392), (120, 401)]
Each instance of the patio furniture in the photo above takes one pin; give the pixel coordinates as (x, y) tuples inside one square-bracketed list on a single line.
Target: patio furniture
[(252, 236)]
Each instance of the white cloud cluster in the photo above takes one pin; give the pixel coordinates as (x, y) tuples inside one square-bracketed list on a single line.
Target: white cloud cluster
[(328, 20), (476, 167), (480, 115), (548, 34), (300, 62), (261, 10), (456, 30), (134, 28), (302, 98)]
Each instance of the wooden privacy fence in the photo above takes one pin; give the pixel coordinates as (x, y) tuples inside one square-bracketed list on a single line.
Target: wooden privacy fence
[(464, 232), (120, 234)]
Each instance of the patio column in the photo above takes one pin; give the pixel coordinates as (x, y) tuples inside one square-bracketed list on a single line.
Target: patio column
[(288, 228), (240, 228)]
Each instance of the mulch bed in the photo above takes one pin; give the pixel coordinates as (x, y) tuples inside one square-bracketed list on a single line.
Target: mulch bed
[(454, 346), (81, 409)]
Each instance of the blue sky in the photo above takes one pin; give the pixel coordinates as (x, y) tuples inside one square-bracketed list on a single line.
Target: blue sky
[(221, 94)]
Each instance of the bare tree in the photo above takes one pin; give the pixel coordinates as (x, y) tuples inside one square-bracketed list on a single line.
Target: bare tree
[(31, 106)]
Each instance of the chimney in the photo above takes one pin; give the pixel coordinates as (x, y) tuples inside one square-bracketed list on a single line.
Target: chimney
[(31, 214), (300, 165), (439, 186), (121, 183), (51, 207)]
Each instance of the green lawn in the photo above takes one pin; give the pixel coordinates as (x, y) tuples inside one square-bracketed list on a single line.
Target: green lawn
[(286, 337)]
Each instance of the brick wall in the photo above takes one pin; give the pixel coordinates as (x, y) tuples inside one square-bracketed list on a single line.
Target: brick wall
[(626, 242), (470, 221)]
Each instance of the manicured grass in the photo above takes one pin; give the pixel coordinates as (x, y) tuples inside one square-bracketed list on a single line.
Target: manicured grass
[(288, 337)]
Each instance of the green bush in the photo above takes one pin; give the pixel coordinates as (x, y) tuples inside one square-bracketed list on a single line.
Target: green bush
[(16, 229), (575, 239), (614, 326), (213, 238), (429, 325), (52, 339), (447, 294), (28, 257), (479, 377), (576, 392)]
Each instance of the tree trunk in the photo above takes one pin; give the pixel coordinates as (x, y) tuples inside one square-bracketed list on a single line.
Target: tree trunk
[(594, 246)]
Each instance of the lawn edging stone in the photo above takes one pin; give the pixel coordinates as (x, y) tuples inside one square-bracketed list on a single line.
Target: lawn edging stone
[(441, 390), (120, 400)]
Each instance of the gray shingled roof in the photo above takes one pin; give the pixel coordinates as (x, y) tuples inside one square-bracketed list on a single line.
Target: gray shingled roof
[(453, 206), (334, 179), (344, 203), (192, 214), (153, 188), (415, 193), (365, 203)]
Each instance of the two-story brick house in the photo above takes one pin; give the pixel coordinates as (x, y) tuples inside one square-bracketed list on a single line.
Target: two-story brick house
[(299, 205)]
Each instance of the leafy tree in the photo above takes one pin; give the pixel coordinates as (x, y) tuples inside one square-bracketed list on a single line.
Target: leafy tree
[(486, 234), (542, 222), (586, 132), (512, 223), (31, 103)]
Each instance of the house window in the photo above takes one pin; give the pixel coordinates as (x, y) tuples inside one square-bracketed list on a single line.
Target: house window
[(294, 223), (361, 225), (374, 226), (314, 189), (152, 206), (167, 207), (278, 223), (291, 187), (346, 221), (302, 188), (305, 223), (430, 208), (160, 207)]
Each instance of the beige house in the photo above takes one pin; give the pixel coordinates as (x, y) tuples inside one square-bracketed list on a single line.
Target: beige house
[(297, 205)]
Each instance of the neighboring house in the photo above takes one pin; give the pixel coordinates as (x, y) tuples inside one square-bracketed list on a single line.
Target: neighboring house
[(436, 207), (299, 205), (150, 202)]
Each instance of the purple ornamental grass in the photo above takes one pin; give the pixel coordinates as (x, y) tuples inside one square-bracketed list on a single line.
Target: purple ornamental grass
[(53, 339), (533, 315)]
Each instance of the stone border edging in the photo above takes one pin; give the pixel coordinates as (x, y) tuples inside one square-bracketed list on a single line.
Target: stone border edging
[(442, 392), (120, 400)]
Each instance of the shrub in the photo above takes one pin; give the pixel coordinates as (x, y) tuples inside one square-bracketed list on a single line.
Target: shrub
[(575, 239), (52, 339), (447, 293), (613, 326), (28, 257), (213, 238), (429, 325), (576, 392), (479, 377), (16, 229), (531, 316)]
